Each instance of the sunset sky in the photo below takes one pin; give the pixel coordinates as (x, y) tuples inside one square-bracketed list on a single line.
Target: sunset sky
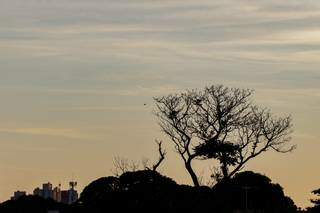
[(75, 76)]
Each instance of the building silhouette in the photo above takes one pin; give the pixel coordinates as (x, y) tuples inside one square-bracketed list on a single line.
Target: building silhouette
[(18, 194), (64, 196), (57, 193)]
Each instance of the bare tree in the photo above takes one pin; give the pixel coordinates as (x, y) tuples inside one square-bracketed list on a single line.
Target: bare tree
[(122, 165), (218, 111), (145, 163), (225, 125), (162, 155), (175, 119), (260, 133)]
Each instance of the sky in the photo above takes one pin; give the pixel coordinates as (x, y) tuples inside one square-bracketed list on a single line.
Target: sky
[(76, 75)]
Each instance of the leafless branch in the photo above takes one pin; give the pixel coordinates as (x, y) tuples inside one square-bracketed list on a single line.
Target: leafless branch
[(122, 165), (162, 154), (221, 123)]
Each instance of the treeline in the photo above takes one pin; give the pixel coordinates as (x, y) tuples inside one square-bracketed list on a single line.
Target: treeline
[(147, 190)]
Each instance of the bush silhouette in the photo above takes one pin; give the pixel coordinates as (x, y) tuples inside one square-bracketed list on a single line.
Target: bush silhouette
[(147, 189), (100, 192), (249, 190)]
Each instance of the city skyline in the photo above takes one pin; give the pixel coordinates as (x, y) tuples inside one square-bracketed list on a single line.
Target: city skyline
[(78, 80), (48, 191)]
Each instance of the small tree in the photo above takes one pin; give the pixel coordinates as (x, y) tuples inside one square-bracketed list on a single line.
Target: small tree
[(122, 165), (162, 155), (221, 123)]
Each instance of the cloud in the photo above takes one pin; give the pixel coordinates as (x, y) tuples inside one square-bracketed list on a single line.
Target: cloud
[(129, 91), (100, 108), (261, 31), (56, 132)]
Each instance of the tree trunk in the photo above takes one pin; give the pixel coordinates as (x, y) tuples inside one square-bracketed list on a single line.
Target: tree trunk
[(225, 172), (224, 168), (192, 173)]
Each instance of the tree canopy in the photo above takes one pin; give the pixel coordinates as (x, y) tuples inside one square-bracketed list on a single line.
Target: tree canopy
[(144, 190), (223, 124)]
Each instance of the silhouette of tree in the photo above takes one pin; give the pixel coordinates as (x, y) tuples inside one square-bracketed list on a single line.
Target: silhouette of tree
[(122, 165), (233, 130), (175, 115), (221, 123), (102, 189), (146, 190), (253, 191), (140, 189), (162, 155)]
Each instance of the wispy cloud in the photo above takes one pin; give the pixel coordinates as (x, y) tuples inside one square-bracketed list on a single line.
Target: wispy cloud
[(131, 91), (57, 132), (100, 108)]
